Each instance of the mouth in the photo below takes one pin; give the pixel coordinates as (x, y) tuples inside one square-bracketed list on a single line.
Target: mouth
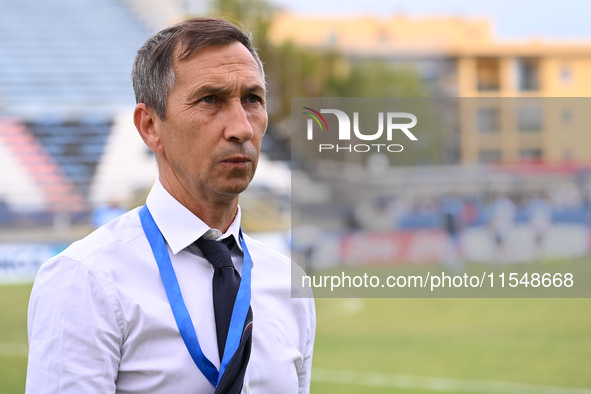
[(237, 161)]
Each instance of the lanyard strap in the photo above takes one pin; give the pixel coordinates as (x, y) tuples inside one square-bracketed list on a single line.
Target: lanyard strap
[(179, 310)]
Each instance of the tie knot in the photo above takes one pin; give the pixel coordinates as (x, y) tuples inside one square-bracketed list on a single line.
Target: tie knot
[(216, 252)]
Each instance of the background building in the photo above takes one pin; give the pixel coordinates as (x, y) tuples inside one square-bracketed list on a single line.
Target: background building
[(461, 57)]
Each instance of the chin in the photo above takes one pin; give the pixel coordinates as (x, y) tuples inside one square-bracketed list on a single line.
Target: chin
[(236, 188), (238, 182)]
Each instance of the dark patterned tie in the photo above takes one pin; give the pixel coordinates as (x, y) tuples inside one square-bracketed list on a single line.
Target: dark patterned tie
[(226, 281)]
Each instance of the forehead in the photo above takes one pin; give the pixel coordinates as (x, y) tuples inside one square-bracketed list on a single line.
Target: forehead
[(217, 63)]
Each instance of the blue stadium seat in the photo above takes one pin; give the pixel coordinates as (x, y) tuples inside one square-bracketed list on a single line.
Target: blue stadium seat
[(59, 57), (76, 146)]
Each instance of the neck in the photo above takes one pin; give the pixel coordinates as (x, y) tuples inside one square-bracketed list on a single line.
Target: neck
[(218, 213)]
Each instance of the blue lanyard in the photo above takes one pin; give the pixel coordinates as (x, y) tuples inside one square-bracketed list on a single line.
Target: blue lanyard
[(179, 310)]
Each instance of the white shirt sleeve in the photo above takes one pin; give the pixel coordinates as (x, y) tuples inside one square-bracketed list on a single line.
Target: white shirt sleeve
[(74, 336), (305, 373)]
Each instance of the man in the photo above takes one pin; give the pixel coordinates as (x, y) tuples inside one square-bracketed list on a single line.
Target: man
[(130, 308)]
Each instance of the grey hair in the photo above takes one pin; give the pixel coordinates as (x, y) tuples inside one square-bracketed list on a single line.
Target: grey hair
[(153, 73)]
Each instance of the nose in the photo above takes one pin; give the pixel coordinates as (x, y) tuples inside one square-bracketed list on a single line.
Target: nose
[(238, 127)]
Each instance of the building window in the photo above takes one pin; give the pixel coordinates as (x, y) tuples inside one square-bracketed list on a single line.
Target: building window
[(529, 119), (489, 120), (490, 156), (530, 154), (528, 74), (488, 74)]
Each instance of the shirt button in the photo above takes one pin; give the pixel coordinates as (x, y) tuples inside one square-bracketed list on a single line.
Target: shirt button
[(212, 234)]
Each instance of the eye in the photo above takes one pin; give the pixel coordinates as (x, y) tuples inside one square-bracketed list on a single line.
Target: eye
[(253, 99), (210, 99)]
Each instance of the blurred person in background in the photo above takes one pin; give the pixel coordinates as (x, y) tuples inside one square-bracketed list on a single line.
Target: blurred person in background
[(501, 216), (452, 209), (539, 213), (133, 307)]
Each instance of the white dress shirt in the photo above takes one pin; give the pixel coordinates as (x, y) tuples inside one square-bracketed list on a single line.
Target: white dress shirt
[(100, 321)]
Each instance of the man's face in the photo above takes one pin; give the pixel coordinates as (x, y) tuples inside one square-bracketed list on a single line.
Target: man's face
[(215, 121)]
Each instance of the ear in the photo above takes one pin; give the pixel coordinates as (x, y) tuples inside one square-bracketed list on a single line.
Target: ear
[(146, 122)]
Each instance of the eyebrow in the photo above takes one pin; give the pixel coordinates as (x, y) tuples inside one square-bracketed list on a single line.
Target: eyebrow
[(223, 90)]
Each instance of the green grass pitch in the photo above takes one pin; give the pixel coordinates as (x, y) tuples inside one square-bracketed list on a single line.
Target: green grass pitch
[(408, 345)]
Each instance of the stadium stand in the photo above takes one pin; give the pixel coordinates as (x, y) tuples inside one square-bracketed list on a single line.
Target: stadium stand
[(18, 187), (126, 167), (76, 147), (157, 14), (67, 142), (36, 171), (67, 58), (64, 78)]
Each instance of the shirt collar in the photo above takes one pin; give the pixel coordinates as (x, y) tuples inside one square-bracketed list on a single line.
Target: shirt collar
[(179, 226)]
